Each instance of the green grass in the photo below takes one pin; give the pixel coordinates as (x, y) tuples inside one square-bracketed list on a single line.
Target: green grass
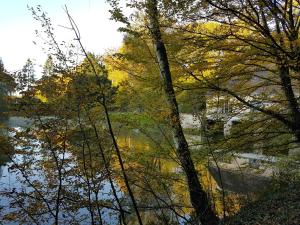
[(134, 120)]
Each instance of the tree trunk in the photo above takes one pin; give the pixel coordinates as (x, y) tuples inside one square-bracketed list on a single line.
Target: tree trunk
[(198, 196), (286, 84)]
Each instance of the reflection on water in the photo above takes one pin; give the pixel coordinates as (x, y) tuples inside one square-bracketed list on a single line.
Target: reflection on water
[(69, 178), (16, 121), (28, 184), (6, 149)]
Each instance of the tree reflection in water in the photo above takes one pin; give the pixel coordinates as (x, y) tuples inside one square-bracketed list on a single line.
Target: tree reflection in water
[(59, 177)]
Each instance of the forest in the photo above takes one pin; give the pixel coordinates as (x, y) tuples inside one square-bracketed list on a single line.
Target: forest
[(194, 120)]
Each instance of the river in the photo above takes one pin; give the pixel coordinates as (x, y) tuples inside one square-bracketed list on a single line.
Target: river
[(29, 181)]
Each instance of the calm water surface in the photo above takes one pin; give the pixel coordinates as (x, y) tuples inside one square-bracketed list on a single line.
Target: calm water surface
[(12, 180)]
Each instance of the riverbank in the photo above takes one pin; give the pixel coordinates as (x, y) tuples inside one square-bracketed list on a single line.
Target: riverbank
[(277, 207), (138, 148)]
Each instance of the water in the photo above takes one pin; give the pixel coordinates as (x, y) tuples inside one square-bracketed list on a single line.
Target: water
[(24, 175), (31, 176)]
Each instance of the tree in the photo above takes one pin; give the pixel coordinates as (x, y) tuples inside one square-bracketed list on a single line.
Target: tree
[(7, 85), (259, 36), (90, 87), (48, 68), (252, 49), (140, 91), (25, 77), (198, 196)]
